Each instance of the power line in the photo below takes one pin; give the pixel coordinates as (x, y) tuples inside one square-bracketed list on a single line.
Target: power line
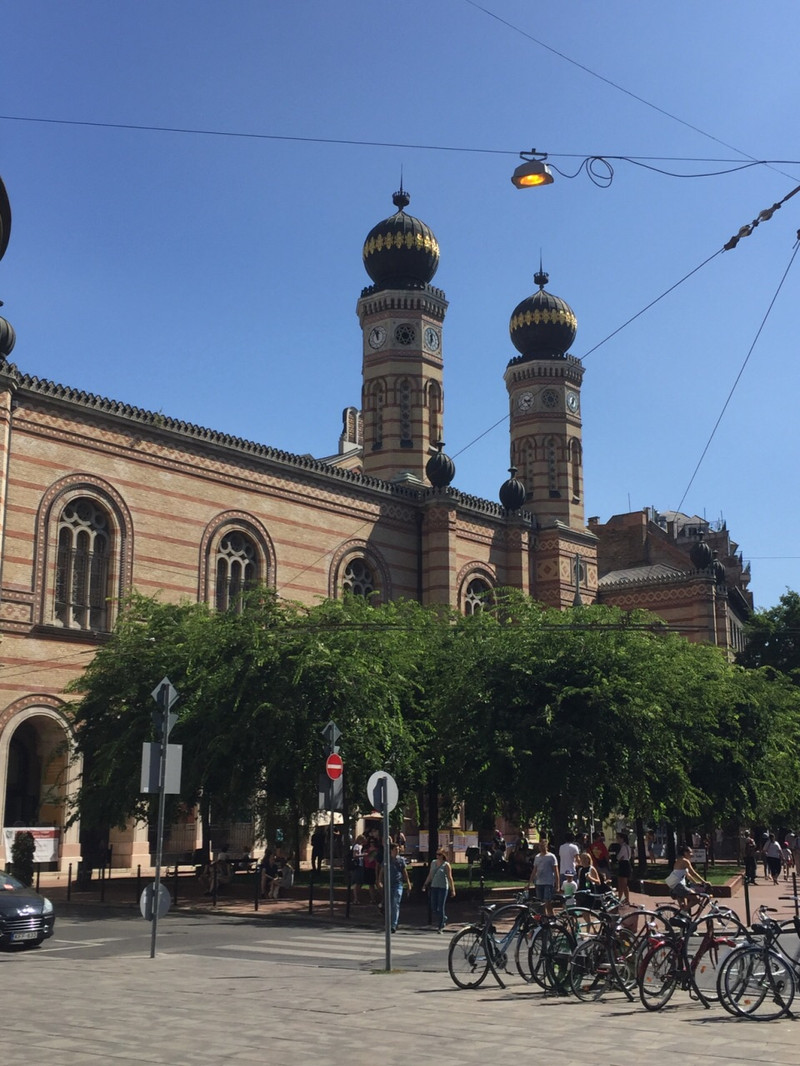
[(739, 375), (613, 84)]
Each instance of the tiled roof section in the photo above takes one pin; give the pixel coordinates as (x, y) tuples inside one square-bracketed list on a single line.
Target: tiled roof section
[(643, 574), (163, 424)]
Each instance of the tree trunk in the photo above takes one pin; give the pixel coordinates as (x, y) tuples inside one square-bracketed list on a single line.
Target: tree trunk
[(641, 848)]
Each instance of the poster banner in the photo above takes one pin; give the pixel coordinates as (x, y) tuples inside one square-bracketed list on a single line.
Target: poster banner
[(46, 839)]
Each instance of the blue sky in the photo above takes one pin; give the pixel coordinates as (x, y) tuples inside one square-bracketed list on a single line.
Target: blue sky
[(215, 278)]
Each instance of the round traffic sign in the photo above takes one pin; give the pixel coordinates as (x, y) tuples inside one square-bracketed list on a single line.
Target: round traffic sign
[(147, 897), (334, 766), (375, 790)]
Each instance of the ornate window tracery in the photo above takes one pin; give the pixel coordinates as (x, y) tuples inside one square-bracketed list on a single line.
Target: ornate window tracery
[(236, 569), (83, 553)]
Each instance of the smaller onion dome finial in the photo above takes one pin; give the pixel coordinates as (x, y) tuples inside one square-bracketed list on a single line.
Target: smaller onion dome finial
[(541, 277), (717, 568), (401, 199), (700, 554), (512, 492), (8, 338), (440, 468)]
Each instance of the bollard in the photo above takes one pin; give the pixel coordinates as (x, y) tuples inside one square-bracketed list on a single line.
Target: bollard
[(311, 892), (138, 882), (103, 883), (38, 871), (175, 887), (746, 902), (214, 884), (69, 882), (256, 887)]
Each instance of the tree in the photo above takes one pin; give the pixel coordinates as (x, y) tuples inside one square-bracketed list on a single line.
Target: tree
[(773, 638)]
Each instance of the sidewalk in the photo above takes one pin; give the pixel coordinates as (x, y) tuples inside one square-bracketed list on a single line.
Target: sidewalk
[(238, 899)]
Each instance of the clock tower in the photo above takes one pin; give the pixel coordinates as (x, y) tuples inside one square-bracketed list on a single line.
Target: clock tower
[(401, 316), (544, 390)]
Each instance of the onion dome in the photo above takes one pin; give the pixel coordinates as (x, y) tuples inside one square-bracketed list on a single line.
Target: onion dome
[(440, 468), (512, 492), (5, 219), (7, 338), (543, 326), (401, 252), (700, 554), (717, 569)]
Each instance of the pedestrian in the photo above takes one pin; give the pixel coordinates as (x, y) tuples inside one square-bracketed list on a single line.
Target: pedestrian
[(588, 881), (269, 871), (318, 848), (788, 861), (599, 853), (651, 846), (372, 850), (440, 880), (624, 868), (357, 866), (773, 857), (750, 852), (398, 880), (544, 877), (567, 854)]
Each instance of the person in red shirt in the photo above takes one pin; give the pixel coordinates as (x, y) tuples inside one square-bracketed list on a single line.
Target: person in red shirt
[(599, 853)]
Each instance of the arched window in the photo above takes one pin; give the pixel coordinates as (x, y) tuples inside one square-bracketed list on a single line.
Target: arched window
[(551, 457), (378, 401), (82, 567), (237, 569), (476, 595), (358, 578), (575, 468), (434, 412)]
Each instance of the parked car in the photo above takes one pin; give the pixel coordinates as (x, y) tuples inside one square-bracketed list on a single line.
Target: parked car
[(26, 918)]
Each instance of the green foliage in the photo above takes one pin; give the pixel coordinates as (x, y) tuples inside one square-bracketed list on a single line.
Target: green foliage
[(521, 709), (22, 851), (773, 638)]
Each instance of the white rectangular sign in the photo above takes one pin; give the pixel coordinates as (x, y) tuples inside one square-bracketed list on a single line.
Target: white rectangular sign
[(46, 839)]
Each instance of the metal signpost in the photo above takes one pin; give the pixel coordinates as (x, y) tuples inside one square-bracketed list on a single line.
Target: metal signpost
[(333, 769), (165, 696), (383, 795)]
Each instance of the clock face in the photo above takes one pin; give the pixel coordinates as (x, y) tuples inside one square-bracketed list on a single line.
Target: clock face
[(431, 339), (525, 401), (377, 337), (550, 399), (572, 401)]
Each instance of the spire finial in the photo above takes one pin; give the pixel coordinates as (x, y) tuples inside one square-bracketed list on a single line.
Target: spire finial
[(401, 198), (540, 277)]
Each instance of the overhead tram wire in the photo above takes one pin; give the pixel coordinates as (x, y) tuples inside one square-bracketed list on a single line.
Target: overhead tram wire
[(741, 371), (615, 85), (588, 159)]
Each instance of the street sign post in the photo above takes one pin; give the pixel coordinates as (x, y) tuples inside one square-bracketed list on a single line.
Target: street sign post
[(334, 768), (383, 794), (165, 696)]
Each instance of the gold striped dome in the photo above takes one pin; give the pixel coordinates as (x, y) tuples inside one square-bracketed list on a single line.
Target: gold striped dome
[(401, 252), (543, 326)]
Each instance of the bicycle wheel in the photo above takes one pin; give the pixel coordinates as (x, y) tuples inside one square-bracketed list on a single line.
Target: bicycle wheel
[(624, 959), (658, 975), (756, 982), (467, 960), (591, 971), (522, 951), (706, 966), (556, 958)]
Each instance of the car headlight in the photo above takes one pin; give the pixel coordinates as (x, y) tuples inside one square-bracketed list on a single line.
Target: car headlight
[(47, 906)]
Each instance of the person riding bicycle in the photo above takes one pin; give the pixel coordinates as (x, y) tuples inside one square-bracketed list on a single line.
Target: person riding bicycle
[(676, 881)]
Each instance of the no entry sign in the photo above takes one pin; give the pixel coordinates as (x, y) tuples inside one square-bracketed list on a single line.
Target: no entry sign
[(334, 766)]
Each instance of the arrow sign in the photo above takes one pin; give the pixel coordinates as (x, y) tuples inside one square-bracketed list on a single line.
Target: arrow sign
[(334, 766)]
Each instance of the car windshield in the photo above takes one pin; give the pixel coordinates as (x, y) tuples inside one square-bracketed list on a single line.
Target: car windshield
[(9, 883)]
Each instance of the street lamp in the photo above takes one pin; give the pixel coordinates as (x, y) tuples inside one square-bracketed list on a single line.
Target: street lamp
[(533, 171)]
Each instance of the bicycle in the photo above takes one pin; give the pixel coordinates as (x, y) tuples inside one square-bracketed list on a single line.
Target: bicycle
[(604, 960), (758, 980), (670, 964), (477, 948)]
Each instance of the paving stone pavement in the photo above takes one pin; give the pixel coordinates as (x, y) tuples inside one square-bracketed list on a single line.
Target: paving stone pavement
[(187, 1010)]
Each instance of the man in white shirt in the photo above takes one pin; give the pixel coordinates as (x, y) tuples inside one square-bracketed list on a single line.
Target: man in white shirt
[(544, 876), (567, 854)]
